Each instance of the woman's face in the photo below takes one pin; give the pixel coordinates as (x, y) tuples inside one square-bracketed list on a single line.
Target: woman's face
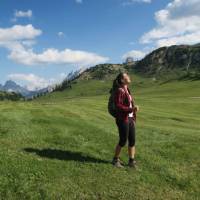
[(126, 79)]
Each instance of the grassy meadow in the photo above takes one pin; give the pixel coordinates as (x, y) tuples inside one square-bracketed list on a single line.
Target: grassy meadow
[(60, 146)]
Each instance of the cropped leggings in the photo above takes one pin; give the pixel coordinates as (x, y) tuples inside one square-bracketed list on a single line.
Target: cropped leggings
[(126, 131)]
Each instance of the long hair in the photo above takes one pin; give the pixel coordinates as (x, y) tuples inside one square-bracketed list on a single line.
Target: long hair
[(117, 82)]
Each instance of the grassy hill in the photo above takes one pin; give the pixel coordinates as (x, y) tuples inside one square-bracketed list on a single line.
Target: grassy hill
[(60, 146)]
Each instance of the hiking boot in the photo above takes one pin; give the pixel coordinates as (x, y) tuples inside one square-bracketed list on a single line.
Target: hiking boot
[(117, 162), (132, 162)]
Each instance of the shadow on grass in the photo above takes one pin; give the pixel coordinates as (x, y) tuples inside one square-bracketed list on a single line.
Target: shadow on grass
[(64, 155)]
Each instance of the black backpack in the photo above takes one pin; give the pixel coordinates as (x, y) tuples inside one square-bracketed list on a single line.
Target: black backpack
[(111, 103)]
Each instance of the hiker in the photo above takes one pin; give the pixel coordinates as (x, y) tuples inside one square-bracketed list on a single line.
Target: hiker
[(125, 118)]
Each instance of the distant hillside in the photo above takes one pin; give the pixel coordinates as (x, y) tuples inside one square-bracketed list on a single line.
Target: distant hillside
[(175, 59), (103, 71)]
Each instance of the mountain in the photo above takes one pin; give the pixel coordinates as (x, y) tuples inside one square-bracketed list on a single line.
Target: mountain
[(40, 91), (11, 86), (176, 58)]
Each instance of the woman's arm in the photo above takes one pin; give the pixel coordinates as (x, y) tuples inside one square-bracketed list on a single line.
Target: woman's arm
[(119, 97)]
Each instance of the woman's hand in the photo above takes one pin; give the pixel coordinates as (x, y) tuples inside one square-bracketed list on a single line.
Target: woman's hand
[(136, 108)]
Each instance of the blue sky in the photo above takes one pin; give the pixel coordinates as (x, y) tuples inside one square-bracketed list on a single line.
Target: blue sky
[(42, 41)]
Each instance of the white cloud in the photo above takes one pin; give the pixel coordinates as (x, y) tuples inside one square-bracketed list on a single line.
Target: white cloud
[(33, 82), (129, 2), (19, 40), (18, 37), (54, 56), (18, 32), (144, 1), (28, 43), (135, 54), (61, 34), (79, 1), (19, 13), (178, 23), (22, 14)]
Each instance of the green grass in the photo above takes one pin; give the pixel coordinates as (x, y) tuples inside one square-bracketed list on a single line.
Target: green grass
[(60, 146)]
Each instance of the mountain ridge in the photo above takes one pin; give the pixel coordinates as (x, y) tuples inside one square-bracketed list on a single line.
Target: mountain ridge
[(180, 58), (12, 86), (165, 63)]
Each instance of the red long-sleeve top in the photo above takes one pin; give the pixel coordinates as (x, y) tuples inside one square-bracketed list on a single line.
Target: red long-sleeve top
[(122, 103)]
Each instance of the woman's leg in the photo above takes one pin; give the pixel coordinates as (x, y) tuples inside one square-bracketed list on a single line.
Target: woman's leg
[(131, 139), (117, 151), (131, 152), (123, 129)]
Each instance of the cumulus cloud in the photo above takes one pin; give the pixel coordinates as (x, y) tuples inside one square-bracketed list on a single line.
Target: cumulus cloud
[(22, 14), (19, 40), (54, 56), (18, 37), (18, 32), (135, 54), (178, 23)]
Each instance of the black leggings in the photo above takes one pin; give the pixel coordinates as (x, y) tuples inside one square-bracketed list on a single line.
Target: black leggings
[(126, 131)]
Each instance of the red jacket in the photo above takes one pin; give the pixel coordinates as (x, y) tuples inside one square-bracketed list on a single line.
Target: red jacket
[(122, 103)]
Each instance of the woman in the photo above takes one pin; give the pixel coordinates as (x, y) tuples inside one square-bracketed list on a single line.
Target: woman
[(125, 118)]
